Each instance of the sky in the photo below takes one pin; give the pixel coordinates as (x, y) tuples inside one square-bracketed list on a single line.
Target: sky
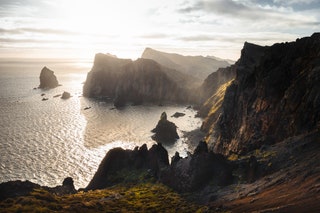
[(80, 28)]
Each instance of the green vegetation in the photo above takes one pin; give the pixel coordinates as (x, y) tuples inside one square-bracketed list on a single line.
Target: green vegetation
[(146, 197)]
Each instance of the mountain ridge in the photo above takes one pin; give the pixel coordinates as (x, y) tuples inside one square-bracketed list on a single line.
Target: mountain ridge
[(198, 67)]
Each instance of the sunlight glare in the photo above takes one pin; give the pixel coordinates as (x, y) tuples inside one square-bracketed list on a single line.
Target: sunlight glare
[(101, 17)]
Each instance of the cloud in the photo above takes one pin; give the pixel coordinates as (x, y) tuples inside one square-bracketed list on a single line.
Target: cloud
[(154, 36), (35, 30), (249, 13), (264, 38)]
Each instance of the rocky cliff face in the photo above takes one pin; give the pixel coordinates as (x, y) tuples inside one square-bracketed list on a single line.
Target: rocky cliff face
[(137, 81), (211, 92), (275, 95)]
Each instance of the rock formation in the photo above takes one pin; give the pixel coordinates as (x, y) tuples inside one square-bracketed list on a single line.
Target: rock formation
[(118, 163), (135, 82), (47, 79), (18, 188), (178, 114), (194, 172), (184, 174), (165, 131), (275, 95)]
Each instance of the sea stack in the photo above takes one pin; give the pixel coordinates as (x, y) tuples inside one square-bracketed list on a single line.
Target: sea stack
[(47, 79), (165, 131)]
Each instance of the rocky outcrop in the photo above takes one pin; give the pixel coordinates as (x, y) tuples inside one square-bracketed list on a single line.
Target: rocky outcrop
[(47, 79), (275, 95), (178, 114), (184, 174), (65, 95), (197, 170), (18, 188), (67, 187), (165, 131), (119, 163), (134, 82), (198, 67)]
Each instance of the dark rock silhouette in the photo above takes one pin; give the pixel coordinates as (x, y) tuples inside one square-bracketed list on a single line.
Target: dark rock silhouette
[(165, 131), (47, 79), (119, 160), (17, 188), (67, 187), (65, 95), (196, 171)]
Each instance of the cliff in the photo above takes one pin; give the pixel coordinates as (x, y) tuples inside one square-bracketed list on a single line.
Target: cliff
[(275, 95), (137, 81), (198, 67)]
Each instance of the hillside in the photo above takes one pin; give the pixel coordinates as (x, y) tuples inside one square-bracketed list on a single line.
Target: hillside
[(198, 67)]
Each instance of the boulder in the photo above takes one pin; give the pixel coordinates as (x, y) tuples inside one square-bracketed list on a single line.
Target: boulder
[(65, 95), (165, 131), (178, 114), (47, 79)]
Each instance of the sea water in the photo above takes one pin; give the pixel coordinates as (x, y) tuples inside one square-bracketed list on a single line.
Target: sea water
[(46, 141)]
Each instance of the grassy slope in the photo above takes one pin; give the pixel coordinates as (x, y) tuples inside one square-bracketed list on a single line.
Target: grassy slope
[(144, 197)]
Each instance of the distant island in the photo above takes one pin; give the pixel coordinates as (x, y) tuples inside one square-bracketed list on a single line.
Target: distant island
[(260, 154)]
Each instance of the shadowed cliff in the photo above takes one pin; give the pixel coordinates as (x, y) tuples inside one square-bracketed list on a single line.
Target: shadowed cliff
[(275, 95)]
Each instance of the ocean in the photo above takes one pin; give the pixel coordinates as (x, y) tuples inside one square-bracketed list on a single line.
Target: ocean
[(47, 141)]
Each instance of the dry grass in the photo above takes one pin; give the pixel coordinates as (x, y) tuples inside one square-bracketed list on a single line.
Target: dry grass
[(147, 197)]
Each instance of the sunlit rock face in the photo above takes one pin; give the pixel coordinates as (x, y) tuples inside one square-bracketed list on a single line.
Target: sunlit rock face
[(275, 95), (135, 82), (211, 86), (47, 79)]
